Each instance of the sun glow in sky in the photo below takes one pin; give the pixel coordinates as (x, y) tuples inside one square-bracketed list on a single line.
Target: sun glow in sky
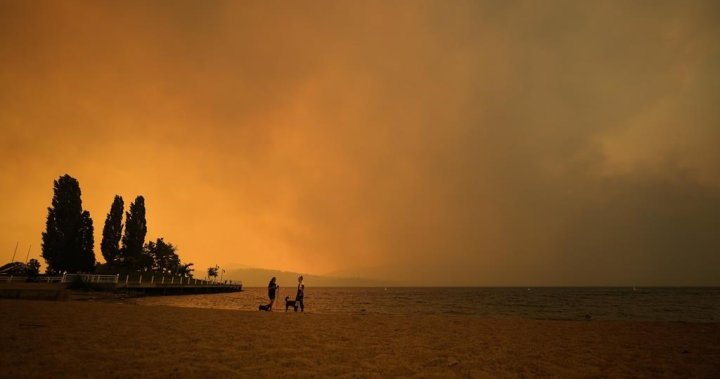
[(430, 142)]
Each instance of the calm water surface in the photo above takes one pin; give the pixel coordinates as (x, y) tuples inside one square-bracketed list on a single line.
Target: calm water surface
[(670, 304)]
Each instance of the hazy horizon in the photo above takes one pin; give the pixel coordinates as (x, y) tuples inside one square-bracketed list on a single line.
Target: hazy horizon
[(429, 142), (288, 279)]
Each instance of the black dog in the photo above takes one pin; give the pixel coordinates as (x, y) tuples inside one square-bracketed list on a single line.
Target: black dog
[(290, 303), (264, 307)]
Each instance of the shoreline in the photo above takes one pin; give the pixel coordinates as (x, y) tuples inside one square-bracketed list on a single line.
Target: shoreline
[(680, 309), (116, 339)]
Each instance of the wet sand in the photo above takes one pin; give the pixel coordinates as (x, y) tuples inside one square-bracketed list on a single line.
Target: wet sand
[(102, 339)]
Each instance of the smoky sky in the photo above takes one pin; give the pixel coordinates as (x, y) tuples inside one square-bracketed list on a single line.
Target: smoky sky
[(427, 142)]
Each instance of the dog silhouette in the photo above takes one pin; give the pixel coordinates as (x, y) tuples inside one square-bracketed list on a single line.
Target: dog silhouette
[(290, 303)]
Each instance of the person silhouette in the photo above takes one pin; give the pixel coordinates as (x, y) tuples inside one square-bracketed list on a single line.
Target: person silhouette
[(300, 294), (273, 289)]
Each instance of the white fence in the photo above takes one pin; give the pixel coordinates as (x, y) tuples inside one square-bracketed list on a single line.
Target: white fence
[(143, 280), (115, 279), (37, 279), (87, 278)]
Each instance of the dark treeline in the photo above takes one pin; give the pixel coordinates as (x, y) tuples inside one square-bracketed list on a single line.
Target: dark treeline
[(68, 239)]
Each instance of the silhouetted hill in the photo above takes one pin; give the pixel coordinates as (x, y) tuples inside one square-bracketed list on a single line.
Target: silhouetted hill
[(259, 277)]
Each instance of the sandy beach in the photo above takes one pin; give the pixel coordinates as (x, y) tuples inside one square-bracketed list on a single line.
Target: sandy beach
[(102, 339)]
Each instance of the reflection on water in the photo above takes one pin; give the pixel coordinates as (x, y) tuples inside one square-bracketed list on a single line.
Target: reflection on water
[(671, 304)]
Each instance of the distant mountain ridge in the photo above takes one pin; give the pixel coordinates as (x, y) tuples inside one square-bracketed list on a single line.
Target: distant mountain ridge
[(259, 277)]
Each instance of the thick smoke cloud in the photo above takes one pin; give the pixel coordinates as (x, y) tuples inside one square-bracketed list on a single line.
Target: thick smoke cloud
[(435, 143)]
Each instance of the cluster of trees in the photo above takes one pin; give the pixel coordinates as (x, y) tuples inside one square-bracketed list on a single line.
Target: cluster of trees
[(128, 252), (68, 240)]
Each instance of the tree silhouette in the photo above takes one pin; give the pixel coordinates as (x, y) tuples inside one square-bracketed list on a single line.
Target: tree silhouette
[(213, 271), (134, 237), (85, 260), (164, 258), (112, 232), (186, 270), (67, 243), (32, 268), (52, 243)]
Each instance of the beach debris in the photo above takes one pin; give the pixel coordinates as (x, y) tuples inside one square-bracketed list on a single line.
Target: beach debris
[(452, 362), (588, 317)]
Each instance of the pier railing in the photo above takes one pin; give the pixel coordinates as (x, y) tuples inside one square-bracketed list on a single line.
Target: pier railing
[(88, 278), (158, 280), (37, 279), (138, 280)]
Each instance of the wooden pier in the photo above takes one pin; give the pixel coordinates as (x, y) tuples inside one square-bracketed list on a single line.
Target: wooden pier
[(153, 284), (134, 284)]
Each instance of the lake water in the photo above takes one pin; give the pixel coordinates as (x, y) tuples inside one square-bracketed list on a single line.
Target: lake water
[(669, 304)]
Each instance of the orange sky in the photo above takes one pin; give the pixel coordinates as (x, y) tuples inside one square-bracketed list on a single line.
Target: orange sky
[(438, 143)]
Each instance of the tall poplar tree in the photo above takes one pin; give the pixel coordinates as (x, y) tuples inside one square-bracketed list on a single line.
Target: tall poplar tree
[(84, 261), (112, 232), (134, 237), (67, 242)]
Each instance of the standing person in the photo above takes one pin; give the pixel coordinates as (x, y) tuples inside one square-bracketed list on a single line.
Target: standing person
[(300, 294), (273, 289)]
